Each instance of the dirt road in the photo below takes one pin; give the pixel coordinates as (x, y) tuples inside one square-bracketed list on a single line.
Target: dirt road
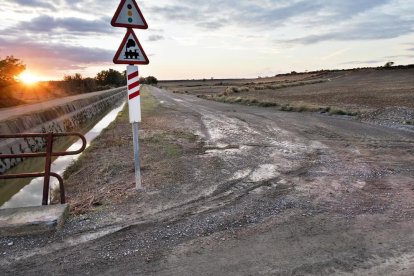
[(258, 192)]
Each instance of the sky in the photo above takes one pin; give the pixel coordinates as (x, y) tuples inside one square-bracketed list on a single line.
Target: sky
[(192, 39)]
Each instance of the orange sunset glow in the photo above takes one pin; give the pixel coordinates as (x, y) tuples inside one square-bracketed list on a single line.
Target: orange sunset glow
[(28, 78)]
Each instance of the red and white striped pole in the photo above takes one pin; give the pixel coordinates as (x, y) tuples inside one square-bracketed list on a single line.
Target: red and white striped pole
[(134, 99), (134, 105)]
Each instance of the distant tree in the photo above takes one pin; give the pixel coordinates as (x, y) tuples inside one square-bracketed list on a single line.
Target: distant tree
[(10, 67), (148, 80), (77, 84), (111, 77), (77, 77), (151, 80), (389, 64)]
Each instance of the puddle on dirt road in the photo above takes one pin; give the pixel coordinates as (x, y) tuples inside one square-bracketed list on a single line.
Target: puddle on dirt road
[(24, 193)]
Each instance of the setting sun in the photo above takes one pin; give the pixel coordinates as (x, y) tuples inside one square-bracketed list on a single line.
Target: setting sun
[(28, 78)]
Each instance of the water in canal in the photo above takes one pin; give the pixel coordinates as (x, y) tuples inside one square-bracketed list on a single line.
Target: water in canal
[(23, 192)]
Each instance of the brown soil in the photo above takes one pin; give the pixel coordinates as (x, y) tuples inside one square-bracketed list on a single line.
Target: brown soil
[(233, 190), (364, 92), (106, 171)]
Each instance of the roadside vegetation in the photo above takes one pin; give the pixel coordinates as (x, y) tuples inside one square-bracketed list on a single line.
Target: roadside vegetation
[(361, 92), (9, 68), (281, 107), (14, 92)]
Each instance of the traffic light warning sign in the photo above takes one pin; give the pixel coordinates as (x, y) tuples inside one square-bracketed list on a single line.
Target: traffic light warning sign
[(129, 15)]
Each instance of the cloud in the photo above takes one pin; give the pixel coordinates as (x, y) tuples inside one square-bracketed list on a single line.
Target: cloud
[(212, 24), (399, 56), (32, 3), (264, 12), (381, 27), (317, 20), (155, 37), (57, 56), (176, 12), (372, 61), (48, 24)]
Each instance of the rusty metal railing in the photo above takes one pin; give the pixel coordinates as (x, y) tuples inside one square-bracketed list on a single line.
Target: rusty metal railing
[(48, 154)]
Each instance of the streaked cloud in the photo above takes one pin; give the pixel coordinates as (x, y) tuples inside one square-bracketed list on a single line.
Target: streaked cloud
[(364, 61), (155, 37), (70, 25), (381, 27), (32, 3), (57, 56)]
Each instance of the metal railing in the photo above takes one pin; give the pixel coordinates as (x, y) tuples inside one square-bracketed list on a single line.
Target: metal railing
[(48, 154)]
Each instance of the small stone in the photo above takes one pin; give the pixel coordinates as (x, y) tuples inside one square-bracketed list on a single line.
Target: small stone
[(10, 244)]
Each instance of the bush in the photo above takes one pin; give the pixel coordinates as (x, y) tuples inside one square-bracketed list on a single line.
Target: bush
[(151, 80), (111, 77), (10, 67)]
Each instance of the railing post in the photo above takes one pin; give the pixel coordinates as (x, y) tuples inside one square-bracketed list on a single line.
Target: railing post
[(49, 154), (48, 163)]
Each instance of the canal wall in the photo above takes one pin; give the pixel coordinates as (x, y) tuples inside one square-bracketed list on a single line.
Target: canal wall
[(67, 117)]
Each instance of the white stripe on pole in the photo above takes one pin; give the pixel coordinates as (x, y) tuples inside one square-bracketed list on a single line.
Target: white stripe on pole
[(134, 98)]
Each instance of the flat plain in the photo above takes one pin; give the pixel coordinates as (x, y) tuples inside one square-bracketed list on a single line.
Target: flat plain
[(249, 186)]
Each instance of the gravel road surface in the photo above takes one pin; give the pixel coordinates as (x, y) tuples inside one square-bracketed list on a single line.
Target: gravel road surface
[(269, 193)]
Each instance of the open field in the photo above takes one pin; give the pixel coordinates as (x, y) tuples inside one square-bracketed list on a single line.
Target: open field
[(369, 93), (233, 190)]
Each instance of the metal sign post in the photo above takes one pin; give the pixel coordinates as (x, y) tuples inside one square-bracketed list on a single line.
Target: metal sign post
[(130, 52), (135, 137)]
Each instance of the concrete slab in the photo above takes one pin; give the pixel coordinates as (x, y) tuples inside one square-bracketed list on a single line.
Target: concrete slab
[(32, 220)]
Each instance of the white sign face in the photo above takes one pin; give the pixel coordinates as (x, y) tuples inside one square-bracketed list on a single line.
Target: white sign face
[(130, 51), (129, 15)]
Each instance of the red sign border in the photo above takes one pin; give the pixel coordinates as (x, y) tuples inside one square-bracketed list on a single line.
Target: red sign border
[(124, 41), (118, 11)]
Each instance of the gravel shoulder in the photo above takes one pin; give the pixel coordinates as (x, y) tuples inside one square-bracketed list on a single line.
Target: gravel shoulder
[(233, 190)]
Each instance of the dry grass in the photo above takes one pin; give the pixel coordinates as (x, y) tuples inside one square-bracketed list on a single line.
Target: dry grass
[(104, 175), (352, 92)]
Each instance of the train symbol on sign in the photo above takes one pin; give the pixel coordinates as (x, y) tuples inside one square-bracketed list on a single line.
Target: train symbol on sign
[(129, 53), (130, 50)]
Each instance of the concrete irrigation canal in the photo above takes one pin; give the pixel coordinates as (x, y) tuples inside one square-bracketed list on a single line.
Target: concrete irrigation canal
[(88, 114)]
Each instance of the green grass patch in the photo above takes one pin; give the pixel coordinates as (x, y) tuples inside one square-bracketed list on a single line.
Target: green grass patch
[(172, 150), (148, 102), (336, 111), (286, 107), (123, 116), (267, 104)]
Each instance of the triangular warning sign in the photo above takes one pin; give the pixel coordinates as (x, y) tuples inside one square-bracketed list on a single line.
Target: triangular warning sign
[(130, 51), (129, 15)]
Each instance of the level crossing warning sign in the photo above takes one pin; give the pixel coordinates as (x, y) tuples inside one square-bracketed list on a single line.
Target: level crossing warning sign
[(129, 15), (130, 51)]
